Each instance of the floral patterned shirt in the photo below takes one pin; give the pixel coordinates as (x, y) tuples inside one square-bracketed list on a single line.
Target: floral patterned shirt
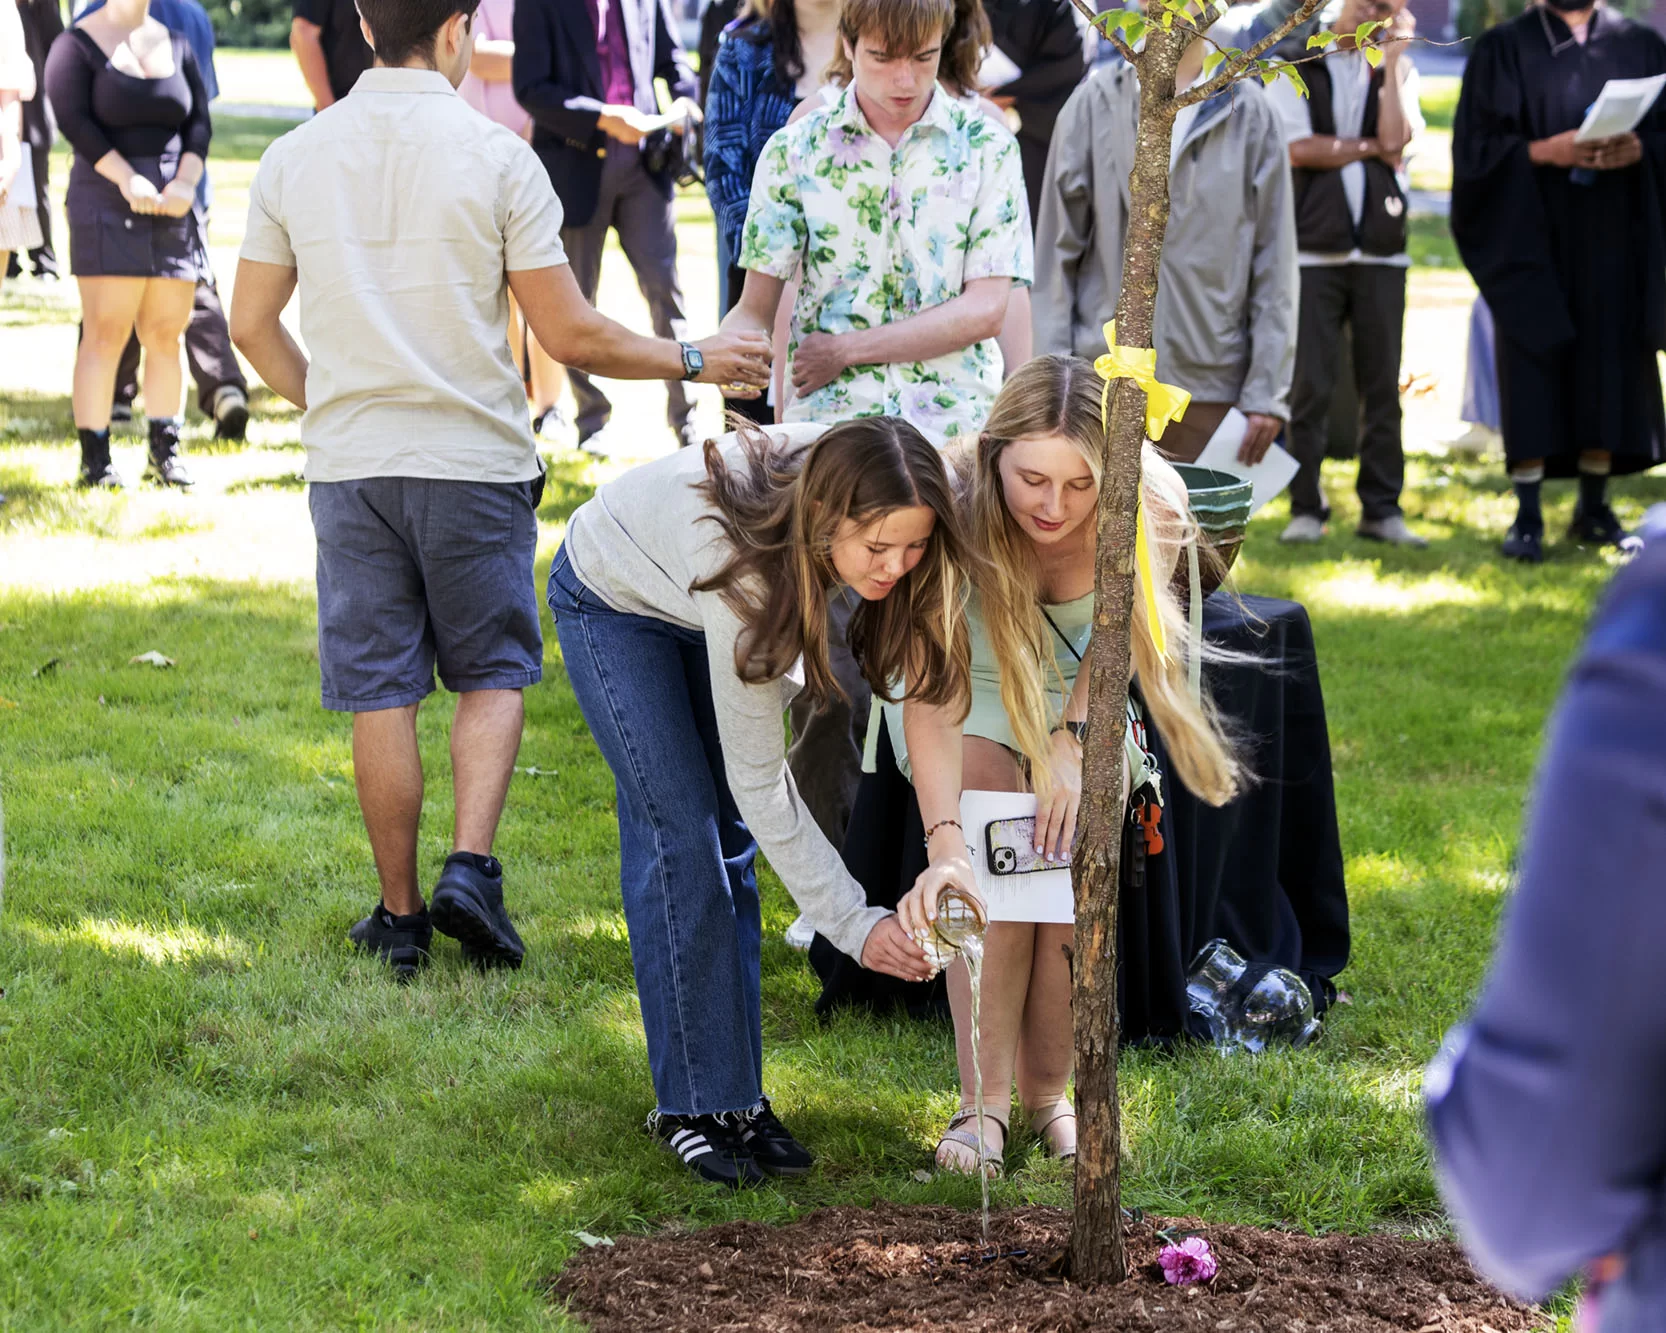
[(882, 234)]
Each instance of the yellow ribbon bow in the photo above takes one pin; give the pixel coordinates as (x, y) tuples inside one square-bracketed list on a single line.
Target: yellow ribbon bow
[(1163, 403)]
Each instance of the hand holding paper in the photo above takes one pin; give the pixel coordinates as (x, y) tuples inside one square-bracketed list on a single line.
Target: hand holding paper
[(1620, 108)]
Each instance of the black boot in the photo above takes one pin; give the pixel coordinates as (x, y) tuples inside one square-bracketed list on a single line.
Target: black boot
[(96, 468), (165, 468)]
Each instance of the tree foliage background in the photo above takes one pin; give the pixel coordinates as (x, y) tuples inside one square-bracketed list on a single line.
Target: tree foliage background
[(249, 22)]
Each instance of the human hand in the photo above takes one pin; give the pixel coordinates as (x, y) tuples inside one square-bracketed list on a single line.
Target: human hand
[(141, 195), (818, 361), (1562, 150), (918, 908), (1259, 433), (1395, 34), (739, 360), (685, 111), (625, 123), (889, 950), (176, 199), (1055, 825), (1623, 150)]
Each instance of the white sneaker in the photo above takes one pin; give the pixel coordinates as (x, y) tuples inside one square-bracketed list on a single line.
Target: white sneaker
[(1391, 530), (800, 934), (555, 428), (1305, 529), (1476, 442)]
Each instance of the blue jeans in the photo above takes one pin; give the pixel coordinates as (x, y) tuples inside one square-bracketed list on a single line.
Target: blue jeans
[(685, 857)]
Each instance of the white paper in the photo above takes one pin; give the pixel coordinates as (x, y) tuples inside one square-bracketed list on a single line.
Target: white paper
[(1619, 106), (1270, 476), (997, 69), (1045, 895)]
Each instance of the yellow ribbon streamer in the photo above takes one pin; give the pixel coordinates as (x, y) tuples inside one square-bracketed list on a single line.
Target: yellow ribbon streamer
[(1163, 403)]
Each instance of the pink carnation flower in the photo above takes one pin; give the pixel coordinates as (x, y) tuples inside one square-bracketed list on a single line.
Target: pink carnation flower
[(1189, 1261)]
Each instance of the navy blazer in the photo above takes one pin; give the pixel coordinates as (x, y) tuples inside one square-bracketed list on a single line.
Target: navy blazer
[(557, 74)]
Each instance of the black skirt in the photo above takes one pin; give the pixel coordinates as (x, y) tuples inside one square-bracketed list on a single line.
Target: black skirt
[(107, 239)]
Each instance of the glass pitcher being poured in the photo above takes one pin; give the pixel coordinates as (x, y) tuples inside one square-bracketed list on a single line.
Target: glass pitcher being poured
[(1277, 1007), (958, 929)]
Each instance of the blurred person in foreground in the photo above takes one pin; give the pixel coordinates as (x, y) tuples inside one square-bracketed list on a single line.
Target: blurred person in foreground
[(329, 47), (406, 219), (1548, 1108), (1567, 242), (42, 22)]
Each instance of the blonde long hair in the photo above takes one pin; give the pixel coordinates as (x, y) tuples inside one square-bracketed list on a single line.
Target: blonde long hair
[(1060, 395)]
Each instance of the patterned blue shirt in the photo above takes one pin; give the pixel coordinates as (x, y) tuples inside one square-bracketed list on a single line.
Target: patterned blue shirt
[(745, 104)]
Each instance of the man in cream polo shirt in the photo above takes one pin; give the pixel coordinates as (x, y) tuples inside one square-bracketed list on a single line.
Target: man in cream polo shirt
[(406, 218)]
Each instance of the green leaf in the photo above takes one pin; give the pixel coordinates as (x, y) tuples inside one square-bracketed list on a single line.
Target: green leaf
[(1321, 39), (1290, 72), (1365, 30), (1134, 31), (1212, 62), (1268, 72), (1373, 56)]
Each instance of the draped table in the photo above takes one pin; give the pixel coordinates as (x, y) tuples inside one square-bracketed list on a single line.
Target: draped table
[(1265, 872)]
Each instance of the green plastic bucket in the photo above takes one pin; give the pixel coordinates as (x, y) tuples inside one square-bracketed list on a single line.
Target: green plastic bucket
[(1221, 505)]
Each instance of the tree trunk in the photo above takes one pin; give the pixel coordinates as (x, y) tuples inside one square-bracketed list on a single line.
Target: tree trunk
[(1096, 1247)]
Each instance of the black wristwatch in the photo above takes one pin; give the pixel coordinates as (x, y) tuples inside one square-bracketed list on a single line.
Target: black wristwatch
[(693, 362), (1077, 729)]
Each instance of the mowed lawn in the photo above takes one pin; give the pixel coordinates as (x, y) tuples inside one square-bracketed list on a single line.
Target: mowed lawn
[(213, 1115)]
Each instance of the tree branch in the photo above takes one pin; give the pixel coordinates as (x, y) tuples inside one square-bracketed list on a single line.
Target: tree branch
[(1116, 39), (1236, 68)]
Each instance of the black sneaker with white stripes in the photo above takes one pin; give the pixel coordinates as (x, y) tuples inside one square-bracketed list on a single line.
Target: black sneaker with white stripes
[(709, 1145), (772, 1145)]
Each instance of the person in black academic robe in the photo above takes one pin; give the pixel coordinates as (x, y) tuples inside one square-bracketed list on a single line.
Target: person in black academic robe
[(1567, 243), (1044, 39)]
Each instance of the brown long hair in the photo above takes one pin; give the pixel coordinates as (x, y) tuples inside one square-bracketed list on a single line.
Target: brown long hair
[(1060, 395), (780, 506)]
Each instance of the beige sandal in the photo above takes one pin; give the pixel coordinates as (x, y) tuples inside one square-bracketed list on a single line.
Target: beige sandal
[(1053, 1114), (954, 1137)]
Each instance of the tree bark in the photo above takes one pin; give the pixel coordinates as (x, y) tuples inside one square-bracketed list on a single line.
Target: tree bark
[(1096, 1243)]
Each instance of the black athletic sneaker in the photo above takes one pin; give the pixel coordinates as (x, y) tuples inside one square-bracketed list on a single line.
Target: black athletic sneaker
[(402, 940), (772, 1145), (709, 1145), (467, 904), (1601, 527), (1523, 544)]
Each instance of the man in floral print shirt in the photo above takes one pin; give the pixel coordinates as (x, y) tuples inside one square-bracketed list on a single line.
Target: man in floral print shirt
[(903, 213)]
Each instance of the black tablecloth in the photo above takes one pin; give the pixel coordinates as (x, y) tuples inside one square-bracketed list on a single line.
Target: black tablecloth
[(1265, 872)]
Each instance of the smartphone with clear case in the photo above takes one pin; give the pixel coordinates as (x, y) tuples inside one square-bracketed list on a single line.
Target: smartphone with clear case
[(1009, 847)]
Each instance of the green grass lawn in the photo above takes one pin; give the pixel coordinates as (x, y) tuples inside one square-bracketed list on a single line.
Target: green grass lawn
[(213, 1115)]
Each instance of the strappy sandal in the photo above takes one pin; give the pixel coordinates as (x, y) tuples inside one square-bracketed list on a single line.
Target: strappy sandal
[(956, 1137), (1055, 1113)]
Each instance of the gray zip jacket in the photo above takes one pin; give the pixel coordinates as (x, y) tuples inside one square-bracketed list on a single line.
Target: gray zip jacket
[(1229, 288)]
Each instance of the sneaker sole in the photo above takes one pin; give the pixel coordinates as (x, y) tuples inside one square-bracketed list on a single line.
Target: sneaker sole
[(455, 914), (781, 1171)]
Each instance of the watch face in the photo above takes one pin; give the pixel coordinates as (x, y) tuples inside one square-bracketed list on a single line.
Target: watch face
[(693, 362)]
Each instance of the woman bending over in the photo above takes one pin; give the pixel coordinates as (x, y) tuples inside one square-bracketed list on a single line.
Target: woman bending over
[(1030, 505), (691, 600)]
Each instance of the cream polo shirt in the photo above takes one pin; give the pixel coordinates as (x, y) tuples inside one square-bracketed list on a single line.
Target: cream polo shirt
[(403, 210)]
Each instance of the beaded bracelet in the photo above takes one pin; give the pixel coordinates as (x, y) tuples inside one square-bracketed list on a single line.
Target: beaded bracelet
[(943, 823)]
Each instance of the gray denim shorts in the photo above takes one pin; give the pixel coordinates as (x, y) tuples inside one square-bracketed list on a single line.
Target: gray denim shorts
[(414, 573)]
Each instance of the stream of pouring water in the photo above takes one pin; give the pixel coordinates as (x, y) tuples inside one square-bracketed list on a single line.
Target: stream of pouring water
[(972, 950)]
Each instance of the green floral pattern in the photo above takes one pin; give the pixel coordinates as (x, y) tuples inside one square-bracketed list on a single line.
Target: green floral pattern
[(881, 234)]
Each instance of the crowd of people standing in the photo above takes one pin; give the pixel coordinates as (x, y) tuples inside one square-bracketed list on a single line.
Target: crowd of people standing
[(917, 258)]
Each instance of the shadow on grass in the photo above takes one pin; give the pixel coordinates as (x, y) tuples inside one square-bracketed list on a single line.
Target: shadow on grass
[(283, 481)]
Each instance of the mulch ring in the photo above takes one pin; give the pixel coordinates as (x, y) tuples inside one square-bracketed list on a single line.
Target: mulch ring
[(919, 1270)]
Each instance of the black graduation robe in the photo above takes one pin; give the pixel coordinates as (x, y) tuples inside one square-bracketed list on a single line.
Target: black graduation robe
[(1575, 274)]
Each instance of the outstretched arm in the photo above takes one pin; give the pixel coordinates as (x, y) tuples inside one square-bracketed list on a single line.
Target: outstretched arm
[(257, 301)]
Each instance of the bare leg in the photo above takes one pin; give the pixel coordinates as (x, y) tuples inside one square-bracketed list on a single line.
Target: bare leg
[(1007, 964), (387, 770), (1046, 1040), (164, 311), (485, 737), (109, 307)]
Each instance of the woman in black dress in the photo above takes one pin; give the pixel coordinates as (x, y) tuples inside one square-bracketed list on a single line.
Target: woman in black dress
[(129, 98)]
